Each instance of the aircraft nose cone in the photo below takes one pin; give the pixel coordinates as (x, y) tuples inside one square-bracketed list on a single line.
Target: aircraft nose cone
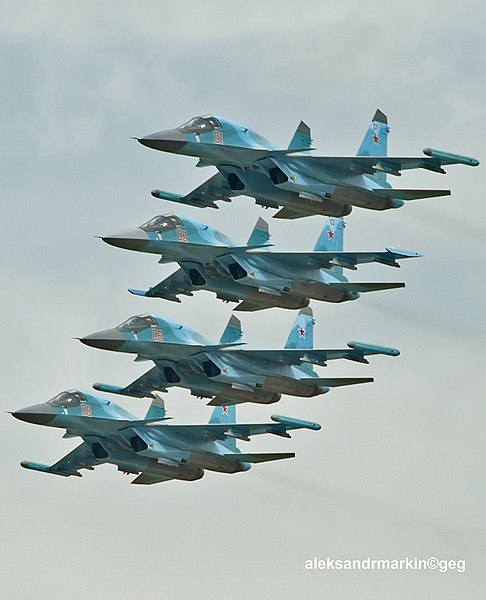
[(170, 140), (110, 339), (39, 414), (134, 239)]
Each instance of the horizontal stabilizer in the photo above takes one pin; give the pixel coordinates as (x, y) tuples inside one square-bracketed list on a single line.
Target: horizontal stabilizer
[(397, 194), (366, 287), (261, 457), (150, 478), (337, 381), (225, 401), (288, 212), (249, 306)]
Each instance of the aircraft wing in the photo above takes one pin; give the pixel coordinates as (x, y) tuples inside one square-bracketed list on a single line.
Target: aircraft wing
[(348, 260), (280, 425), (141, 387), (434, 160), (214, 189), (169, 288), (356, 351), (79, 458)]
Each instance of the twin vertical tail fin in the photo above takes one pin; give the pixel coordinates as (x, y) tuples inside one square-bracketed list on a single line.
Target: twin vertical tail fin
[(375, 142), (157, 408), (302, 138), (225, 415), (232, 333), (302, 335), (260, 234), (332, 238)]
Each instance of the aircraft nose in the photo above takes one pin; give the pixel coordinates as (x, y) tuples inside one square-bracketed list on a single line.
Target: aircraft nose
[(110, 339), (170, 140), (39, 414), (133, 239)]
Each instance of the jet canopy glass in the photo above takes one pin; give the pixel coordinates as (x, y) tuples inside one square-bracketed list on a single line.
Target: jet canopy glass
[(162, 223), (65, 399), (200, 125), (137, 323)]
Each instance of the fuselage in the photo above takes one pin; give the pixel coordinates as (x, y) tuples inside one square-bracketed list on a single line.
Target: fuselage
[(252, 166), (186, 359), (212, 261), (115, 436)]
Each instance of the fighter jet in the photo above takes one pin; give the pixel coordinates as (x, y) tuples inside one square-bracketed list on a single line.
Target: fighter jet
[(251, 274), (291, 178), (151, 448), (225, 372)]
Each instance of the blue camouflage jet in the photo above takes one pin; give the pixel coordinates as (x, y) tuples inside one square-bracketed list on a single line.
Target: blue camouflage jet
[(225, 372), (291, 178), (250, 274), (150, 448)]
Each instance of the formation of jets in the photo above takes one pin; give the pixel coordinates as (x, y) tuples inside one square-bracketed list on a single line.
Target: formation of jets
[(255, 277)]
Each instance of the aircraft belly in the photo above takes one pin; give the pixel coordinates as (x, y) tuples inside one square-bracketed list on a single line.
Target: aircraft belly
[(338, 186), (181, 470), (227, 289), (269, 292), (164, 465), (202, 384), (257, 184)]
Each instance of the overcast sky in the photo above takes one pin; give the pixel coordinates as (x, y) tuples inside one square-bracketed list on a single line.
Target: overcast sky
[(398, 468)]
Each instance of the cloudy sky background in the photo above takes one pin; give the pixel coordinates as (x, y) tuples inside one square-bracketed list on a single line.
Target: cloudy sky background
[(398, 469)]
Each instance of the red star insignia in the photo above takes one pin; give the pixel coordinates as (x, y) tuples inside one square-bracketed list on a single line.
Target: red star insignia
[(330, 234), (376, 139), (225, 410), (301, 332)]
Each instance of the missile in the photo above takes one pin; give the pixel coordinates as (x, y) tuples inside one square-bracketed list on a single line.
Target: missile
[(46, 469), (455, 158), (295, 422)]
